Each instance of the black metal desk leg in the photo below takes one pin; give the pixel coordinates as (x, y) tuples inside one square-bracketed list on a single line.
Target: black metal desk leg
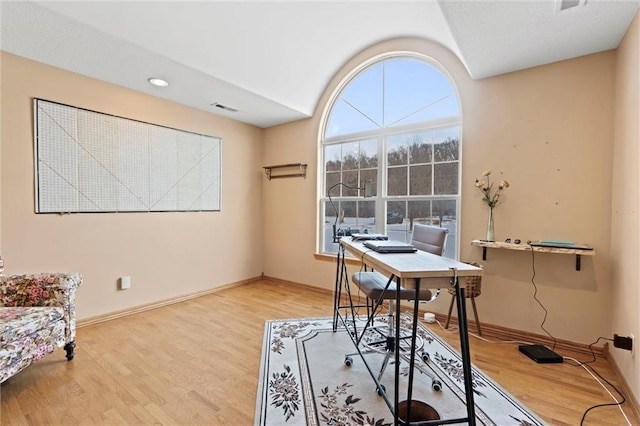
[(337, 291), (396, 383), (412, 360), (465, 353)]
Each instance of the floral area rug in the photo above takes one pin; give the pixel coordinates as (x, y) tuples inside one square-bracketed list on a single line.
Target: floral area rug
[(304, 380)]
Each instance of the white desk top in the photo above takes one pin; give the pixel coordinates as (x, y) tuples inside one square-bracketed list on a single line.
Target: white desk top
[(410, 266)]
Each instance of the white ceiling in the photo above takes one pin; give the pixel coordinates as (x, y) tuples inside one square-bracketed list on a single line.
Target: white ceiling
[(272, 60)]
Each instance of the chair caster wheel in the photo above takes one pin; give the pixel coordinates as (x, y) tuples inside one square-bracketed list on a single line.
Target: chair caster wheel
[(348, 361), (436, 385), (426, 358), (381, 390)]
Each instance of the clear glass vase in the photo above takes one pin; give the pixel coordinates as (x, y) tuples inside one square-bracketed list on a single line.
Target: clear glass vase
[(490, 236)]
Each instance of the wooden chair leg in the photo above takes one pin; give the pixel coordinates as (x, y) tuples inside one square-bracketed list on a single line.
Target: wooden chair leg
[(475, 313), (453, 299)]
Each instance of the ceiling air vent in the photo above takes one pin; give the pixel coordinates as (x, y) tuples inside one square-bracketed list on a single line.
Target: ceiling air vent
[(224, 107), (568, 4)]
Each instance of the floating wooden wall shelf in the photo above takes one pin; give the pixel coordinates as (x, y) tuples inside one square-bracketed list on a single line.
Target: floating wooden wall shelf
[(527, 247), (286, 170)]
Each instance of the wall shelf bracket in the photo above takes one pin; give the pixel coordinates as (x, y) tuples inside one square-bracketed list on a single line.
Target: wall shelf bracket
[(286, 170)]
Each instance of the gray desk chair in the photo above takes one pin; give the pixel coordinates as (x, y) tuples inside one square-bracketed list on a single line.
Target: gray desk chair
[(381, 339), (431, 239)]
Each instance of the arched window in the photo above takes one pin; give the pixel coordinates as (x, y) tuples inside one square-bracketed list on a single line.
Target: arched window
[(396, 122)]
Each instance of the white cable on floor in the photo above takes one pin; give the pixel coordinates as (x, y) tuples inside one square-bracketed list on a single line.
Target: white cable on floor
[(603, 387), (447, 330), (453, 330)]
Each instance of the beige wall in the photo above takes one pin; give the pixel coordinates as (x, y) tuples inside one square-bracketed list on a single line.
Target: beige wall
[(625, 230), (549, 131), (166, 254)]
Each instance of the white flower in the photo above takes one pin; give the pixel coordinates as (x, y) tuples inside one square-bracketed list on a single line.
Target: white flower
[(489, 197)]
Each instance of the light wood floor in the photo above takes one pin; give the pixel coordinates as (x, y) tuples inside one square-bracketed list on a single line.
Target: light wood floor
[(197, 362)]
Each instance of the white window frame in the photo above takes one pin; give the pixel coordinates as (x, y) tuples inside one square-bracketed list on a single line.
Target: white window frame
[(381, 198)]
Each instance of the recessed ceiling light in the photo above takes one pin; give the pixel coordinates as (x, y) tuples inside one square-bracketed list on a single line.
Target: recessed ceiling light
[(158, 82)]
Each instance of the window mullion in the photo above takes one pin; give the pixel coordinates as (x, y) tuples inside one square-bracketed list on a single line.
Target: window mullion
[(382, 185)]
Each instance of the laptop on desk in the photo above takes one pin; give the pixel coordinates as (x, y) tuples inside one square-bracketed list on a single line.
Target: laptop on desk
[(389, 246)]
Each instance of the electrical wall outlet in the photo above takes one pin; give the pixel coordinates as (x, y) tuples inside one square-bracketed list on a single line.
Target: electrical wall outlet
[(623, 342), (125, 283)]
